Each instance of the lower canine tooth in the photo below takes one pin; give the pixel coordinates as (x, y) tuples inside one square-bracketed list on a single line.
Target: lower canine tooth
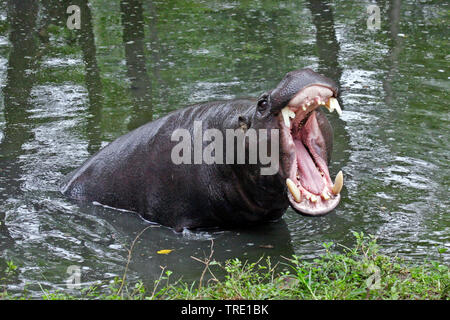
[(293, 190), (338, 183)]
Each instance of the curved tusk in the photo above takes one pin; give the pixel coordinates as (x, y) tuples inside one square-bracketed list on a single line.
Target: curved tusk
[(293, 189), (338, 183)]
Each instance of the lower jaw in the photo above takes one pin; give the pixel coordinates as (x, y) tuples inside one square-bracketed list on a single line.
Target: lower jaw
[(318, 208), (308, 203)]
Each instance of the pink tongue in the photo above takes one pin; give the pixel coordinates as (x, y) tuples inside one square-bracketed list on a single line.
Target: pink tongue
[(310, 177)]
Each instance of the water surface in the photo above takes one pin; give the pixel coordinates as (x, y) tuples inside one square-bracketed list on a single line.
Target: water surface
[(66, 93)]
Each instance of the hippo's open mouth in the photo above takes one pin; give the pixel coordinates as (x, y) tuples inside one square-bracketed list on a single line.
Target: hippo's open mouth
[(304, 154)]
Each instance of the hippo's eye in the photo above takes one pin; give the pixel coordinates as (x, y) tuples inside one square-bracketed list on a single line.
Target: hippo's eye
[(262, 104)]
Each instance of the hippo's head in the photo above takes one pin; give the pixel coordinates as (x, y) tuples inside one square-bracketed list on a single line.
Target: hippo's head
[(306, 138)]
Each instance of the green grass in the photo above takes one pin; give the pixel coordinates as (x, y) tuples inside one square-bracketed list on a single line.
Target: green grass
[(360, 272)]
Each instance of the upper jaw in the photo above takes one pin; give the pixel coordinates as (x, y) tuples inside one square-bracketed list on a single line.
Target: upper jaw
[(295, 82), (305, 101), (292, 116)]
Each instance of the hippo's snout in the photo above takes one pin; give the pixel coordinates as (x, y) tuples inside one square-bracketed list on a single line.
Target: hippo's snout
[(295, 81)]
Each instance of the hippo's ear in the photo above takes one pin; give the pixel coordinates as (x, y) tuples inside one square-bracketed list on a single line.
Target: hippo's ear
[(244, 123)]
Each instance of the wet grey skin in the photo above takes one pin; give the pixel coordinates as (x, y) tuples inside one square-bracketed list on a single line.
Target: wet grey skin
[(135, 172)]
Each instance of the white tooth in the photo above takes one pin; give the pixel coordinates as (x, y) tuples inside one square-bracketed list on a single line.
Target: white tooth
[(334, 104), (285, 113), (325, 195), (338, 183), (291, 114), (293, 189)]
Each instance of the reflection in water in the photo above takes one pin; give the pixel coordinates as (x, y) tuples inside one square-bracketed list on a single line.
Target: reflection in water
[(85, 37), (65, 91), (21, 74), (326, 42), (154, 43), (133, 39), (54, 13), (392, 57)]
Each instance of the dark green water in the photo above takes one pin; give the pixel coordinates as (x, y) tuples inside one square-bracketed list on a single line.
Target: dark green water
[(67, 93)]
